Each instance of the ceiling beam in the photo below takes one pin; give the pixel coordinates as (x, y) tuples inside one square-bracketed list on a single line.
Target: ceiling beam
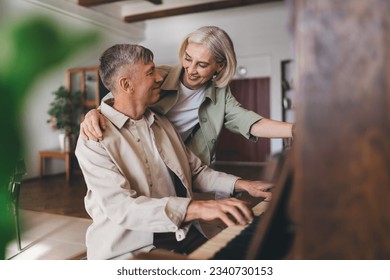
[(88, 3), (156, 2), (195, 8)]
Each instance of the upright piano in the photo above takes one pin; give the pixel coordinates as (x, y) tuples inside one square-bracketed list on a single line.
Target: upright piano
[(332, 197)]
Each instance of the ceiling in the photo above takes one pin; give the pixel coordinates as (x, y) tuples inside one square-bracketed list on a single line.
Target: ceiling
[(130, 11)]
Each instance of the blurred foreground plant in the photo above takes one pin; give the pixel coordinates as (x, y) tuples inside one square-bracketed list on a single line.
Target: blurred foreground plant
[(28, 49)]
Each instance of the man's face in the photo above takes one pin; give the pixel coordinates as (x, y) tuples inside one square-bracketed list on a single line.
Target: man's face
[(146, 83)]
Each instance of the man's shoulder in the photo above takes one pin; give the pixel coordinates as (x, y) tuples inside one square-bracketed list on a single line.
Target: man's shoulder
[(163, 70)]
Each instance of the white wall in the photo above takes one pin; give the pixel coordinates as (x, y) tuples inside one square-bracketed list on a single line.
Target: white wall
[(259, 33)]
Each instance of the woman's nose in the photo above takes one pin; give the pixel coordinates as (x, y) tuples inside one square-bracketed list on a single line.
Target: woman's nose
[(191, 68)]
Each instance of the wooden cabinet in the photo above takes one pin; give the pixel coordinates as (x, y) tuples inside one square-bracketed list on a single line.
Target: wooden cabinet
[(287, 68), (288, 100), (86, 80)]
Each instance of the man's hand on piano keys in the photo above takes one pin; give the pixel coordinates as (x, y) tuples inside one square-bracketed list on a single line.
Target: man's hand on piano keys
[(230, 211), (254, 188)]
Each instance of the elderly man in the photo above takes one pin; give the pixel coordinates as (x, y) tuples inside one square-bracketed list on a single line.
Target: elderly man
[(141, 177)]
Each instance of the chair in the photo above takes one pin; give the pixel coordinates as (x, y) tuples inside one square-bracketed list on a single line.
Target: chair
[(14, 190)]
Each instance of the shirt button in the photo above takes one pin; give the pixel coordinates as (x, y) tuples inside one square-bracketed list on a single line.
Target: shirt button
[(204, 119), (213, 141)]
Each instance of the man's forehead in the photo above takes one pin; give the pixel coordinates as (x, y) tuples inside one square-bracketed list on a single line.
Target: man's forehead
[(140, 68)]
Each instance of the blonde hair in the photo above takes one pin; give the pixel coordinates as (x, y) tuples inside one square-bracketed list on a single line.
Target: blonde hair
[(218, 42)]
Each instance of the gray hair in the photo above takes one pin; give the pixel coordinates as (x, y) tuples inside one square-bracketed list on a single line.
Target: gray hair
[(114, 58), (221, 47)]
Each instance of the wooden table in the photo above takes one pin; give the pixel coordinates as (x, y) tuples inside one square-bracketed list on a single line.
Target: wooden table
[(67, 156)]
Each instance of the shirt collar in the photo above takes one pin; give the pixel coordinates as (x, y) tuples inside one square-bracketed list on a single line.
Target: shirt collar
[(119, 119), (210, 92)]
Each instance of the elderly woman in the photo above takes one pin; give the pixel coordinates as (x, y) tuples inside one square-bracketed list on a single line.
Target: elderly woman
[(196, 98)]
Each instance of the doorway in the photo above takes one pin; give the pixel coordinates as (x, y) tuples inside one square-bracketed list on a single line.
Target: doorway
[(254, 95)]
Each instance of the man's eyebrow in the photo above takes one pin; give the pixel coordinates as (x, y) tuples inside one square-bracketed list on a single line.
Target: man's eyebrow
[(151, 68)]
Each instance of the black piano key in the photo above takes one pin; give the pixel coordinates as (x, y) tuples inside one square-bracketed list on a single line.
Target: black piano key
[(236, 248)]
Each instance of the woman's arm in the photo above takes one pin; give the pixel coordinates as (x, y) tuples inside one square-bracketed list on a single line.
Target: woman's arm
[(272, 129), (250, 124)]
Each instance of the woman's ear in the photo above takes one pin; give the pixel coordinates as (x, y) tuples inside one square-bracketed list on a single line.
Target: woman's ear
[(220, 68)]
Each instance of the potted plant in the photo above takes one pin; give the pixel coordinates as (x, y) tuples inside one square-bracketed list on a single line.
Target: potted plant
[(65, 114)]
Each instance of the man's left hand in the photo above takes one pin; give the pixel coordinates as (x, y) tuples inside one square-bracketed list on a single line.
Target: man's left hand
[(254, 188)]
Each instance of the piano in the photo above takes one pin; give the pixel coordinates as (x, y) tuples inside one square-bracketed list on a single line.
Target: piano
[(331, 198)]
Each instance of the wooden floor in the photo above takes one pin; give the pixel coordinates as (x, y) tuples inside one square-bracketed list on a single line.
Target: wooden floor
[(53, 194)]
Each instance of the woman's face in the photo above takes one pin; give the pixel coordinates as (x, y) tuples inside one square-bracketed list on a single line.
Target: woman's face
[(199, 66)]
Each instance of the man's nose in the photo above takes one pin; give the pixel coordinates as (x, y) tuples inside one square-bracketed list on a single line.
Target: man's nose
[(158, 78)]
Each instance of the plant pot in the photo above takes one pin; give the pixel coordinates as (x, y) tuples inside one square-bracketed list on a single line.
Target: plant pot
[(66, 143)]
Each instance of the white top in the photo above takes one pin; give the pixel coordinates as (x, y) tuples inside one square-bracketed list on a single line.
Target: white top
[(184, 114)]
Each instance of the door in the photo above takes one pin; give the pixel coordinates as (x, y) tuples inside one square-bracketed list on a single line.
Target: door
[(254, 95)]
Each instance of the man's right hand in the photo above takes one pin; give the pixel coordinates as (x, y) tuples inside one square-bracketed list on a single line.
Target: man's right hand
[(92, 126), (230, 211)]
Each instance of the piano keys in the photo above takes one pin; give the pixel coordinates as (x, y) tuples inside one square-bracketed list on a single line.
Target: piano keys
[(251, 241), (219, 247)]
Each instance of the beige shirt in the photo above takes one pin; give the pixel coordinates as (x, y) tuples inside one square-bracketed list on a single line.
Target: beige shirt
[(126, 199)]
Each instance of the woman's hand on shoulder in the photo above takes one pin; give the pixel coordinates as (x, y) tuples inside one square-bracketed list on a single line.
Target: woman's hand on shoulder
[(92, 126)]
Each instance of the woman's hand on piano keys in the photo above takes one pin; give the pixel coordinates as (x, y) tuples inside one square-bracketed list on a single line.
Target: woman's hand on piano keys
[(254, 188), (230, 211)]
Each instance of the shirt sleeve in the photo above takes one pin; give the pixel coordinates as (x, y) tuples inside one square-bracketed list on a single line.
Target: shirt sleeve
[(208, 180), (238, 119)]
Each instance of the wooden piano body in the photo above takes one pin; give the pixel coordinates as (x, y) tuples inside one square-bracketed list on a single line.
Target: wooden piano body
[(332, 199)]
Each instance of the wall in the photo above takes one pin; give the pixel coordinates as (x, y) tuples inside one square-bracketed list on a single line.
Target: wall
[(259, 33)]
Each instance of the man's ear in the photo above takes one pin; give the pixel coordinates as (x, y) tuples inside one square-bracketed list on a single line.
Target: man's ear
[(125, 84)]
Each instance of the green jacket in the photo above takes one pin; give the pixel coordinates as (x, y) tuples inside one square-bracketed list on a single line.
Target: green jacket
[(218, 109)]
